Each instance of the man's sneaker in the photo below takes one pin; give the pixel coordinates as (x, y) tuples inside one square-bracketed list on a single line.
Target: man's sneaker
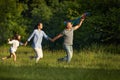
[(60, 59)]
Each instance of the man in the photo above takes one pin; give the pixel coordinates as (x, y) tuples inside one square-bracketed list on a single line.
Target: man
[(67, 33)]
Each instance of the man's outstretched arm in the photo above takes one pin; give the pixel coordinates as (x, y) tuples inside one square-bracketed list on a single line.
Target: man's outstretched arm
[(57, 37), (79, 25)]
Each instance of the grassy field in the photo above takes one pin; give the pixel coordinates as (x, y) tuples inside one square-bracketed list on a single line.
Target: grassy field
[(96, 63)]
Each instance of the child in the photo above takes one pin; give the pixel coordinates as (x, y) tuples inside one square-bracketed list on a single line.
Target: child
[(15, 43)]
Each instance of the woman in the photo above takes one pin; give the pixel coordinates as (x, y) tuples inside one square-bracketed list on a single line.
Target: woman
[(38, 35)]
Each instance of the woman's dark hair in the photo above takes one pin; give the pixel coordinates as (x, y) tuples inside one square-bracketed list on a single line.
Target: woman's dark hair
[(36, 26)]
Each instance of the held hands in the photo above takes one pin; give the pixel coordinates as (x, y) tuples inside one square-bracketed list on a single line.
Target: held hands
[(52, 40), (25, 43), (8, 39), (55, 38)]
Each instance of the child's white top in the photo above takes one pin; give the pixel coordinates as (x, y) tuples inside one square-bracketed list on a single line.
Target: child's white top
[(15, 44)]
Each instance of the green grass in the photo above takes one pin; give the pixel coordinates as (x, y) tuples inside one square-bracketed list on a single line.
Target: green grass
[(95, 63)]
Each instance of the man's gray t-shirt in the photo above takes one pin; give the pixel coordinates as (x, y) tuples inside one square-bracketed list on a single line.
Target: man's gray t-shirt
[(68, 36)]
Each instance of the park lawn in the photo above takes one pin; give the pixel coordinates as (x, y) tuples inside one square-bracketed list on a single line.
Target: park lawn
[(85, 65)]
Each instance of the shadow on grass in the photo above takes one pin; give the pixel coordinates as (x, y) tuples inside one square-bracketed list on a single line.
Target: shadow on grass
[(40, 72), (9, 78)]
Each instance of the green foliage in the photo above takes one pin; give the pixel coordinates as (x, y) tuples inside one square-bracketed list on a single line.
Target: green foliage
[(102, 26), (11, 19), (41, 11)]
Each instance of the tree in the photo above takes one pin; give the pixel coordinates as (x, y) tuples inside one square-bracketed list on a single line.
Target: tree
[(11, 19)]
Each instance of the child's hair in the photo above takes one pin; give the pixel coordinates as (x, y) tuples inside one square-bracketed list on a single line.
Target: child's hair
[(16, 37)]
